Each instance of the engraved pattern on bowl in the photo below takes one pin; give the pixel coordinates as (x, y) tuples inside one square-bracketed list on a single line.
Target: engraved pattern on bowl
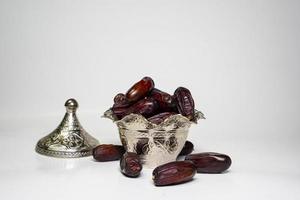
[(156, 144)]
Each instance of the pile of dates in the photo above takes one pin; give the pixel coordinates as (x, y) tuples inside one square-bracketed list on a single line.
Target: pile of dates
[(170, 173), (155, 105)]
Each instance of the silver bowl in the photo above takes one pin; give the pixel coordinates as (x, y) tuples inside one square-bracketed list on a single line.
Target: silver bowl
[(156, 144)]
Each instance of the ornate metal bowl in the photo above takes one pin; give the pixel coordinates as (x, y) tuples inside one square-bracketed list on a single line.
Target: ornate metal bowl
[(156, 144)]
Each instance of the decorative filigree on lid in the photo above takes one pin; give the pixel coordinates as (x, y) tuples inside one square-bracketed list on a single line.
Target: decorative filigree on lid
[(69, 139)]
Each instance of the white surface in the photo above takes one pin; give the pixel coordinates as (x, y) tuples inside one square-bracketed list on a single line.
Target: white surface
[(240, 59), (262, 168)]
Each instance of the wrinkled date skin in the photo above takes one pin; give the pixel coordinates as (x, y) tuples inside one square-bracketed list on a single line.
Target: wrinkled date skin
[(120, 98), (121, 101), (108, 152), (164, 100), (140, 89), (210, 162), (187, 148), (130, 164), (159, 118), (120, 106), (185, 102), (173, 173), (146, 107)]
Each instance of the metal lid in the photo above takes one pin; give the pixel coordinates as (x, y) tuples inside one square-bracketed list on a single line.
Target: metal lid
[(69, 139)]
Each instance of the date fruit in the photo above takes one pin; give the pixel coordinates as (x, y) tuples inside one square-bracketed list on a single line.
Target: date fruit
[(210, 162), (120, 101), (108, 152), (130, 164), (164, 100), (185, 102), (119, 98), (140, 89), (144, 99), (173, 173), (159, 118), (146, 107), (119, 112), (142, 146), (187, 148)]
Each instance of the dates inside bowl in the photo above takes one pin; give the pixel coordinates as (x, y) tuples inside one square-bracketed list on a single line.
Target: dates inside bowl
[(153, 128), (152, 122), (152, 103)]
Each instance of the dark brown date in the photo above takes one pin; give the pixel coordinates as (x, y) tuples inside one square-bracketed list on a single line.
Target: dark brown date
[(108, 152), (185, 102), (146, 107), (120, 98), (173, 173), (119, 112), (159, 118), (187, 148), (164, 100), (140, 89), (142, 146), (210, 162), (130, 164), (120, 101)]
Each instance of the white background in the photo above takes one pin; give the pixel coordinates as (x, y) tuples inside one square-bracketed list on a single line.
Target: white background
[(240, 59)]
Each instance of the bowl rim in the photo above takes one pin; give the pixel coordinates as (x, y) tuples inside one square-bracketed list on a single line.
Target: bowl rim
[(198, 115)]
